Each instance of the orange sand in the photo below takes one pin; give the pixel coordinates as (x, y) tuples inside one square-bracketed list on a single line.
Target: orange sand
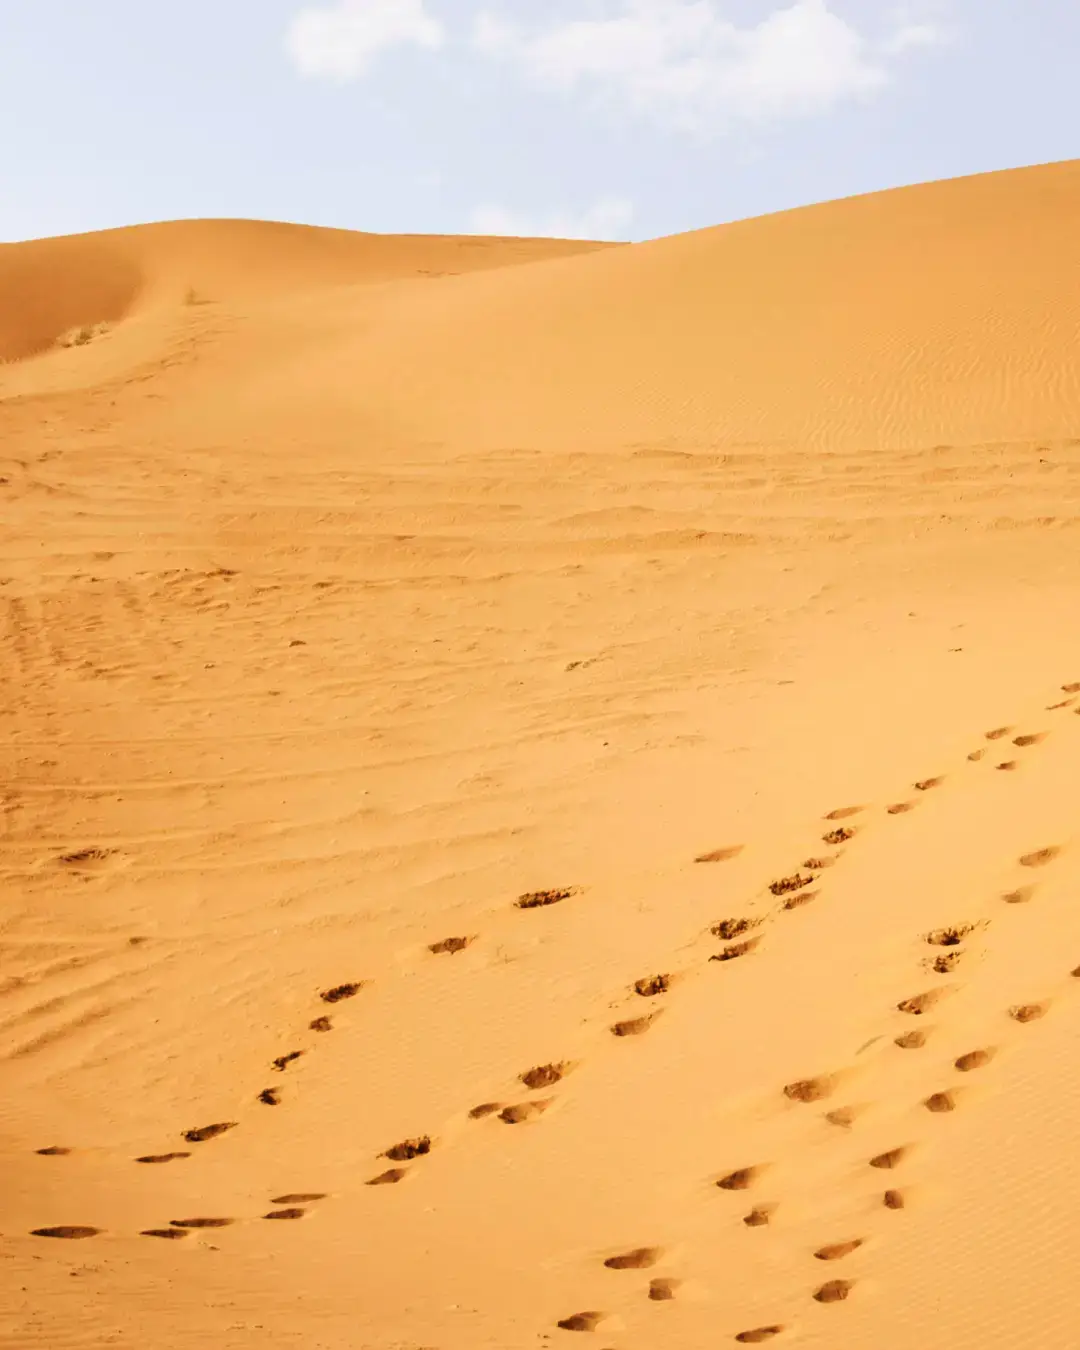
[(353, 587)]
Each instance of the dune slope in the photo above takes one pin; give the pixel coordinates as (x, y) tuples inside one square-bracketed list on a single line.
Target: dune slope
[(537, 784)]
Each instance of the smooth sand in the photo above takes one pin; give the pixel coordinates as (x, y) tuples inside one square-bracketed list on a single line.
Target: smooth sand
[(352, 588)]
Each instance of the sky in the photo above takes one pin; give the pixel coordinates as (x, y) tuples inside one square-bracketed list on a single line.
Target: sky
[(616, 119)]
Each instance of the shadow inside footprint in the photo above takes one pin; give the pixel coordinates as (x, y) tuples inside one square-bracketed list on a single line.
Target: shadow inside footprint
[(299, 1198), (836, 1251), (641, 1258), (450, 946), (811, 1089), (758, 1335), (911, 1040), (538, 899), (53, 1151), (408, 1149), (544, 1075), (758, 1218), (921, 1003), (741, 1179), (270, 1097), (485, 1109), (834, 1291), (292, 1212), (283, 1061), (583, 1321), (663, 1290), (1027, 1012), (161, 1157), (652, 985), (925, 784), (321, 1024), (893, 1157), (169, 1234), (523, 1111), (67, 1231), (974, 1059), (341, 991), (635, 1026), (201, 1223), (893, 1200), (736, 950), (795, 882), (1040, 857), (205, 1132), (720, 854), (388, 1178), (729, 929)]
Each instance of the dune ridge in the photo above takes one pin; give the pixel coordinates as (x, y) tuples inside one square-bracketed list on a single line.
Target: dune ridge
[(538, 802)]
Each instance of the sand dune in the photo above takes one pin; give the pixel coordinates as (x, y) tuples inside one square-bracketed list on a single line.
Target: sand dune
[(538, 783)]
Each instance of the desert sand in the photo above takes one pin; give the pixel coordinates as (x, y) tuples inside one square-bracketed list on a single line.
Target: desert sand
[(571, 754)]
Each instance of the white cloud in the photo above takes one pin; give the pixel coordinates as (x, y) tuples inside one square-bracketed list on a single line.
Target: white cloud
[(607, 218), (680, 63), (915, 35), (340, 41)]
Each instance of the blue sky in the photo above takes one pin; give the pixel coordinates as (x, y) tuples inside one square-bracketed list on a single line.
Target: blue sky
[(610, 118)]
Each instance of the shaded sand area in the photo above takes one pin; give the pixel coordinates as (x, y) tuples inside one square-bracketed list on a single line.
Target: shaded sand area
[(539, 786)]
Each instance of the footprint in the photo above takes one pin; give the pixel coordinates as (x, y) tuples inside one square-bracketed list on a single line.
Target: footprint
[(299, 1198), (523, 1111), (292, 1212), (940, 1102), (793, 883), (974, 1059), (946, 962), (663, 1290), (720, 854), (799, 898), (161, 1157), (758, 1218), (1033, 739), (976, 755), (640, 1258), (388, 1178), (899, 808), (201, 1223), (320, 1024), (998, 733), (545, 1075), (729, 929), (843, 1116), (921, 1003), (1040, 857), (741, 1179), (205, 1132), (270, 1097), (652, 985), (636, 1026), (737, 949), (538, 899), (451, 945), (843, 812), (925, 784), (834, 1291), (1071, 688), (583, 1321), (53, 1151), (1028, 1012), (1006, 766), (949, 937), (890, 1159), (820, 864), (341, 991), (169, 1234), (758, 1335), (911, 1040), (811, 1089), (836, 1251), (485, 1109), (66, 1231), (893, 1200), (283, 1061), (408, 1149), (840, 835), (1065, 703), (1020, 896)]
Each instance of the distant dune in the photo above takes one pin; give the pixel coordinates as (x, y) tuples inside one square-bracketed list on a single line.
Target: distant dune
[(538, 783)]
